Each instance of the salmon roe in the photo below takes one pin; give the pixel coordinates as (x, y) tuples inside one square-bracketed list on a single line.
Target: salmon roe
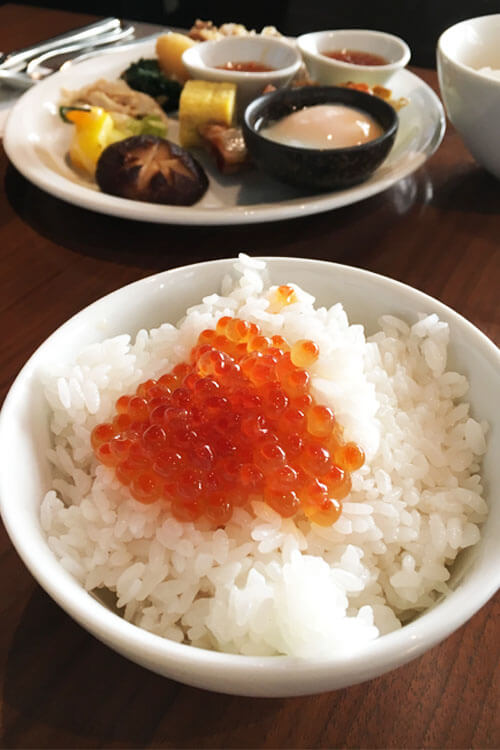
[(235, 423), (281, 297)]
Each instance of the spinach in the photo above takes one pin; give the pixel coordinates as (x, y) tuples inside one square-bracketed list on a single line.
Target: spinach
[(146, 76)]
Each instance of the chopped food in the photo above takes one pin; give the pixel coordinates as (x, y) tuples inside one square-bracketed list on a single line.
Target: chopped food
[(227, 146), (117, 98), (203, 102), (205, 31), (94, 131), (170, 48), (69, 113), (147, 76), (380, 91), (303, 79), (147, 125), (147, 168), (236, 420)]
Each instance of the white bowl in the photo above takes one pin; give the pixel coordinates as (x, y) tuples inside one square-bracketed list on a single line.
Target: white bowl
[(203, 59), (327, 71), (25, 477), (472, 99)]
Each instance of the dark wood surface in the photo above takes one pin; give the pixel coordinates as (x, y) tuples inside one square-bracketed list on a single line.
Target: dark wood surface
[(439, 231)]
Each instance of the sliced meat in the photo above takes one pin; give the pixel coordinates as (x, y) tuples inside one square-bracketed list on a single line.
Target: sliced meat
[(227, 146)]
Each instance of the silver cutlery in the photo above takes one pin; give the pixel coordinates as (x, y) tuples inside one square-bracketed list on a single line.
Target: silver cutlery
[(16, 79), (19, 58), (35, 71), (89, 53)]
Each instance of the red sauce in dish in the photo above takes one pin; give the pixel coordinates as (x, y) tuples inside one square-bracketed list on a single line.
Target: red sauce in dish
[(356, 57), (234, 422), (249, 66)]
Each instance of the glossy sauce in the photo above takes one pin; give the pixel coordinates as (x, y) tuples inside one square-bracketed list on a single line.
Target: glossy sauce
[(247, 66), (356, 57), (323, 126)]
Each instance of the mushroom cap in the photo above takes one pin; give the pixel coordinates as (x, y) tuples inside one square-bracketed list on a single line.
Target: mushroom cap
[(151, 169)]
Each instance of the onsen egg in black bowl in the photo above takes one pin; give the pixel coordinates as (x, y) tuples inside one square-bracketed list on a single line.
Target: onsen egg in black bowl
[(304, 136)]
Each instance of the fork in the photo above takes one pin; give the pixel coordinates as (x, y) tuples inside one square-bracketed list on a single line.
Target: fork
[(35, 66), (16, 79), (35, 72), (19, 58)]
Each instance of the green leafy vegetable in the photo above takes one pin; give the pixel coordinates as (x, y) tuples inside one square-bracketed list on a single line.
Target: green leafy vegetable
[(146, 76)]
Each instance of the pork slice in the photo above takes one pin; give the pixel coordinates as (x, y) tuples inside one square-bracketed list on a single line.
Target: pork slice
[(227, 145)]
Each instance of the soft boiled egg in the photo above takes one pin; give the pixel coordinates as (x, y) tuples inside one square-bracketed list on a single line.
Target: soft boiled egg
[(322, 126)]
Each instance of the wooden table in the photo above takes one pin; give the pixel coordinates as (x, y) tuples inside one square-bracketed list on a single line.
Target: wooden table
[(438, 231)]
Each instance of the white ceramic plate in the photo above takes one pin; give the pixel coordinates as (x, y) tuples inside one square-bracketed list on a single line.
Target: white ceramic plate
[(36, 141)]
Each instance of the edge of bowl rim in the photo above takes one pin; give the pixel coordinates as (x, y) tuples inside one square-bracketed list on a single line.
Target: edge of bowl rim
[(386, 652), (474, 72), (402, 62), (276, 41)]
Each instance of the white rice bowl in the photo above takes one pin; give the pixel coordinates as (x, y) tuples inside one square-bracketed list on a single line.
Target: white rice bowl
[(265, 586)]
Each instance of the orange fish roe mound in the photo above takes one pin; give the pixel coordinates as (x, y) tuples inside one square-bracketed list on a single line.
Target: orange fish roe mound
[(235, 423)]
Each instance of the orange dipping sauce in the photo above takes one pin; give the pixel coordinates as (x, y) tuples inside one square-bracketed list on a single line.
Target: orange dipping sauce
[(248, 66), (356, 57)]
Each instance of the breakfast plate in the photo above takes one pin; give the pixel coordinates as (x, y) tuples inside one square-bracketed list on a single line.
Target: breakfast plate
[(36, 141)]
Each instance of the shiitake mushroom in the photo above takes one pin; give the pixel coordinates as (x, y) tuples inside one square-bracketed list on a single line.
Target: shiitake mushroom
[(152, 169)]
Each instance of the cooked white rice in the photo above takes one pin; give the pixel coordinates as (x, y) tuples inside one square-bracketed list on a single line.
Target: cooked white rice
[(266, 585)]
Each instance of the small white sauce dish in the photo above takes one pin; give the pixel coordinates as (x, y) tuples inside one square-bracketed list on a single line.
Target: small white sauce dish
[(330, 72), (203, 60), (471, 97)]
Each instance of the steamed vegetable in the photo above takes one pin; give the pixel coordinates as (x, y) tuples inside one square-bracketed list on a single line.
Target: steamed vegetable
[(147, 76), (95, 129), (148, 125), (169, 48)]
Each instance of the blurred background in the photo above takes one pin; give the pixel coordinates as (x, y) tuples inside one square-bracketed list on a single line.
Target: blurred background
[(419, 22)]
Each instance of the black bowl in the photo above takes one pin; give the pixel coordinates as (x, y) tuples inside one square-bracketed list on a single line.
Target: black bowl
[(317, 169)]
